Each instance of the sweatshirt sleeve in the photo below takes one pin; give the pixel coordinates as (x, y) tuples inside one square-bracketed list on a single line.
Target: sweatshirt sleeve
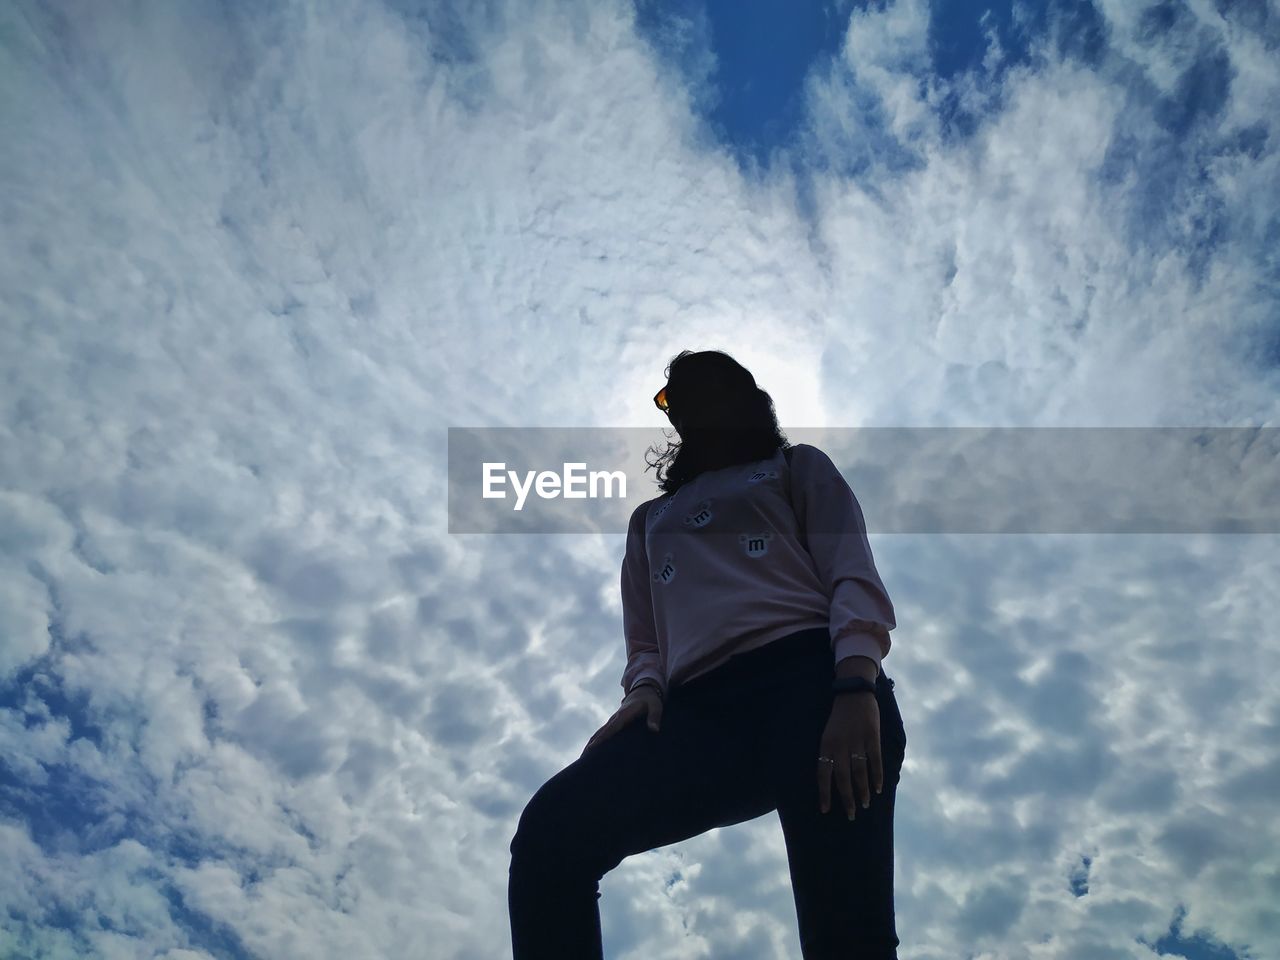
[(828, 512), (644, 660)]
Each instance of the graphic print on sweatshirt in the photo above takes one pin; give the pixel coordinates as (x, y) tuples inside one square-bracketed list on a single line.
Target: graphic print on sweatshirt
[(741, 507), (666, 570), (700, 516)]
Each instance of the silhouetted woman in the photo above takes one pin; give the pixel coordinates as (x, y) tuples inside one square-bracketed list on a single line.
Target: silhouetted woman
[(750, 598)]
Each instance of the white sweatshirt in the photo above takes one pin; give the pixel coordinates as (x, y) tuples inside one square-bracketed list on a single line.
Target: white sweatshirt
[(717, 569)]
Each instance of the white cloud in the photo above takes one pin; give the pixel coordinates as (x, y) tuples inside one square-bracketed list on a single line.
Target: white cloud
[(253, 268)]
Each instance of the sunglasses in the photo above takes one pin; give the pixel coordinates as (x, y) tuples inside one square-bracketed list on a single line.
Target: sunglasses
[(660, 399)]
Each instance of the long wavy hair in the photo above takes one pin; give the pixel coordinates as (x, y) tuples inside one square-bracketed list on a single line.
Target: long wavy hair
[(725, 418)]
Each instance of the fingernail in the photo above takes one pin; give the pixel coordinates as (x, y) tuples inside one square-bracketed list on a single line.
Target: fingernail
[(850, 814), (865, 804)]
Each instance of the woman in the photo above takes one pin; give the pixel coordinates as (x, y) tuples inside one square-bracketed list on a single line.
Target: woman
[(749, 598)]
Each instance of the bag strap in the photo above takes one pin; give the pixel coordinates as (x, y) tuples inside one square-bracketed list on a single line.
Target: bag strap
[(799, 523)]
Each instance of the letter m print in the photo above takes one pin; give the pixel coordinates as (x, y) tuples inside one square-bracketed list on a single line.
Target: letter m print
[(756, 544)]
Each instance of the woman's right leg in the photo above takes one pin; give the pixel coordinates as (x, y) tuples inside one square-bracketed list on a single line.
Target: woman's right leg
[(636, 791)]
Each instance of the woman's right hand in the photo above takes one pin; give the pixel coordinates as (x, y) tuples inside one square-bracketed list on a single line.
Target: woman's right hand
[(642, 701)]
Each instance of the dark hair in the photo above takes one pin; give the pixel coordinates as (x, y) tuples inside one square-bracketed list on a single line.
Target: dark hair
[(727, 419)]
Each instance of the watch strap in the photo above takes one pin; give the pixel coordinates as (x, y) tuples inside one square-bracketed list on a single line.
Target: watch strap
[(853, 685)]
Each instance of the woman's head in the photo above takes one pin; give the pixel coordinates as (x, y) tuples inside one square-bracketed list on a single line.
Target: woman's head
[(721, 415)]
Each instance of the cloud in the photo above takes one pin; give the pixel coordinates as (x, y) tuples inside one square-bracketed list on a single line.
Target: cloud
[(255, 700)]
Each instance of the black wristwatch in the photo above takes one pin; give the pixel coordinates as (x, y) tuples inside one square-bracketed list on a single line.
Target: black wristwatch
[(853, 685), (646, 682)]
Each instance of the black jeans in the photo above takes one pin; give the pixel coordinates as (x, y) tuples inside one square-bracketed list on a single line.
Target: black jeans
[(734, 744)]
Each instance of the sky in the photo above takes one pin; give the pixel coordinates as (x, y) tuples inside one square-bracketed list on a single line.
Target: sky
[(257, 258)]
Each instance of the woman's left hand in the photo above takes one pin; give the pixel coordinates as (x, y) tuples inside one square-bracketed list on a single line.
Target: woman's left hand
[(852, 728)]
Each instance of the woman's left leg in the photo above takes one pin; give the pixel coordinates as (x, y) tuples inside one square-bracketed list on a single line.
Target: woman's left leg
[(841, 870)]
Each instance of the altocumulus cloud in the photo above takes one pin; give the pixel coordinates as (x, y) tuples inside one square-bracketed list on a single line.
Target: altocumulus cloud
[(256, 702)]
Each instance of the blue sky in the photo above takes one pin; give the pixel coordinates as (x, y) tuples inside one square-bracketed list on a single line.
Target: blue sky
[(255, 701)]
